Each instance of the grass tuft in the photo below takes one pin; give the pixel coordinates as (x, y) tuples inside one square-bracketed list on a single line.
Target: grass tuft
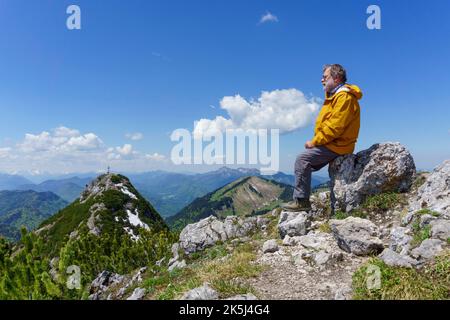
[(432, 282)]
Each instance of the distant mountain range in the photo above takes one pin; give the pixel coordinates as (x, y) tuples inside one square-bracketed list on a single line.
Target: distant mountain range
[(26, 208), (243, 197), (68, 189), (12, 182), (169, 192)]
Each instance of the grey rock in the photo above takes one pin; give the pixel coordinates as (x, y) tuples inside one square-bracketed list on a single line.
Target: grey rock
[(102, 283), (428, 249), (177, 265), (138, 294), (290, 241), (135, 279), (204, 292), (400, 239), (320, 203), (440, 229), (270, 246), (312, 241), (383, 167), (393, 259), (247, 296), (343, 293), (207, 232), (172, 261), (175, 248), (323, 258), (262, 222), (160, 262), (434, 194), (356, 235), (294, 223)]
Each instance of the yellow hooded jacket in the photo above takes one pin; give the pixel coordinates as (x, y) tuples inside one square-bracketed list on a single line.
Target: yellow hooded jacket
[(337, 126)]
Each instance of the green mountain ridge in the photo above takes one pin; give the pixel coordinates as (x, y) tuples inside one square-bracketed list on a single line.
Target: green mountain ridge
[(109, 205), (26, 208), (110, 227), (243, 197)]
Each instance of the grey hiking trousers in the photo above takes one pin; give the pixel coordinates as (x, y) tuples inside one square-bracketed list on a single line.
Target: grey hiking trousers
[(310, 160)]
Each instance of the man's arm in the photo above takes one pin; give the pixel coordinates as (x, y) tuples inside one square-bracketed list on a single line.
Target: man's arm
[(332, 128)]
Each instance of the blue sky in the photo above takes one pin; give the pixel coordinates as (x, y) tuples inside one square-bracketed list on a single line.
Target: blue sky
[(150, 67)]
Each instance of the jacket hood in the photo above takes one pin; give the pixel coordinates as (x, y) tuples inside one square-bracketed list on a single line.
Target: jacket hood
[(350, 88)]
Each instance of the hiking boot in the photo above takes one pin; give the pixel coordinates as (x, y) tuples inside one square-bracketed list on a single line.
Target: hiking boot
[(297, 205)]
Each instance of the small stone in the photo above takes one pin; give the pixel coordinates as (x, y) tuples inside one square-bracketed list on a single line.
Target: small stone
[(204, 292), (393, 259), (138, 294)]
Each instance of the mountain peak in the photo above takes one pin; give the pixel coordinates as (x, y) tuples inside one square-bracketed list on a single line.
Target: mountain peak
[(109, 205), (107, 182)]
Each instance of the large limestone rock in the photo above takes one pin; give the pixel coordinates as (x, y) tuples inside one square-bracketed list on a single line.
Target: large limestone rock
[(434, 194), (207, 232), (356, 235), (293, 223), (383, 167)]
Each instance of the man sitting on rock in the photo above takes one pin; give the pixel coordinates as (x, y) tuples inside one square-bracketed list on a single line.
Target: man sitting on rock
[(335, 134)]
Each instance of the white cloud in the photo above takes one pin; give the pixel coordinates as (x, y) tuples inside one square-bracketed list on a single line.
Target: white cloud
[(135, 136), (66, 132), (268, 17), (4, 152), (155, 156), (287, 110), (126, 150), (68, 150), (61, 140)]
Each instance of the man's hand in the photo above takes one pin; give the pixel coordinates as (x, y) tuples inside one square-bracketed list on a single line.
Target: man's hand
[(309, 145)]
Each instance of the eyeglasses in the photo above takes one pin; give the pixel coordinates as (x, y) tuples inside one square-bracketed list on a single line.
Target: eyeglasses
[(324, 77)]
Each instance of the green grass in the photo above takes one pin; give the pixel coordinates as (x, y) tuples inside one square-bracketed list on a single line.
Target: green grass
[(218, 251), (428, 211), (419, 234), (383, 201), (325, 227), (432, 282), (220, 274)]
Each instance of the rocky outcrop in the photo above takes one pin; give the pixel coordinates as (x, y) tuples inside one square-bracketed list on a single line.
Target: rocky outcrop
[(293, 223), (113, 286), (383, 167), (434, 194), (102, 283), (356, 235), (207, 232)]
